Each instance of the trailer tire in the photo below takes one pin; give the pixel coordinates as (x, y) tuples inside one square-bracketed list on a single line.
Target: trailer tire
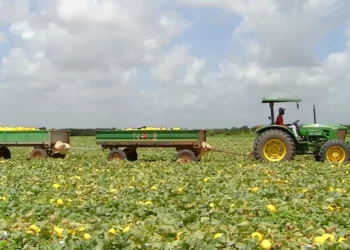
[(116, 155), (38, 153), (58, 155), (335, 151), (185, 156), (131, 153), (5, 153)]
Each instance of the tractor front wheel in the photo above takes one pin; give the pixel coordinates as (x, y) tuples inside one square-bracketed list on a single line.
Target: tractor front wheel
[(274, 146), (335, 151)]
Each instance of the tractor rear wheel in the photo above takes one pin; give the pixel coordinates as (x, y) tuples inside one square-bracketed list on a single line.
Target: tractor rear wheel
[(274, 146), (335, 151)]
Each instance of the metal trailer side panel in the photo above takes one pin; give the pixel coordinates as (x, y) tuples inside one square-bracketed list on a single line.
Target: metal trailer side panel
[(24, 137), (62, 135), (202, 135), (151, 138), (147, 135), (149, 143), (33, 137)]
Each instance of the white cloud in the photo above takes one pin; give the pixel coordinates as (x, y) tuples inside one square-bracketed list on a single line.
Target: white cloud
[(172, 65), (173, 23), (23, 29), (82, 55), (337, 62), (151, 43), (347, 34), (271, 30), (85, 34), (190, 99), (179, 68), (20, 72), (99, 63), (194, 72), (12, 11), (127, 75)]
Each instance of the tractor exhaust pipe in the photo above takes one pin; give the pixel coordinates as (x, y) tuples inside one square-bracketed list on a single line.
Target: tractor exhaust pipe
[(315, 114)]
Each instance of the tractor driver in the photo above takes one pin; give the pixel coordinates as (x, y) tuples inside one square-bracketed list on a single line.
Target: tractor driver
[(279, 121)]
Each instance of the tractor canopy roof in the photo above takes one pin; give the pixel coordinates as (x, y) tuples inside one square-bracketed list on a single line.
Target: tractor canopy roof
[(275, 99)]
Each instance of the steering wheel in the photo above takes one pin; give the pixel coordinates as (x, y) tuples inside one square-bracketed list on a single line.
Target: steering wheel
[(294, 123)]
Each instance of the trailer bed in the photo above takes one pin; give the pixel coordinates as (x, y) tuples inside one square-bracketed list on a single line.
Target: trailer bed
[(43, 141), (150, 138), (186, 141)]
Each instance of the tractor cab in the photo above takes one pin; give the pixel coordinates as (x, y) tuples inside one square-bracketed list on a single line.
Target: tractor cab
[(272, 101), (272, 117)]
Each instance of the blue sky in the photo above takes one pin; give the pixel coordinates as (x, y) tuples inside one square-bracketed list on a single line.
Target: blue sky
[(211, 33), (334, 41)]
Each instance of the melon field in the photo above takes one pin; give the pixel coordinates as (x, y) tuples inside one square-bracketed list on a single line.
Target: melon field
[(222, 202)]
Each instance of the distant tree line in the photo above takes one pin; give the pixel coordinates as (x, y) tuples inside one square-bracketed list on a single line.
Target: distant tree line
[(231, 131), (211, 132)]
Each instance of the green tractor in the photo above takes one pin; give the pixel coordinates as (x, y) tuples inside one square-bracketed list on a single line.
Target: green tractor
[(276, 143)]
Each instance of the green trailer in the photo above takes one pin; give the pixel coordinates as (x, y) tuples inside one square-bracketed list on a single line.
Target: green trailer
[(190, 144), (44, 142)]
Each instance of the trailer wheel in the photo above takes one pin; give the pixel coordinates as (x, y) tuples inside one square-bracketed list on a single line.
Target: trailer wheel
[(131, 153), (335, 151), (185, 156), (116, 155), (5, 153), (38, 153), (58, 155)]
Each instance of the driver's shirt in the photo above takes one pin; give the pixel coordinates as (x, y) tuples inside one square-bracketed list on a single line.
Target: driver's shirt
[(279, 120)]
